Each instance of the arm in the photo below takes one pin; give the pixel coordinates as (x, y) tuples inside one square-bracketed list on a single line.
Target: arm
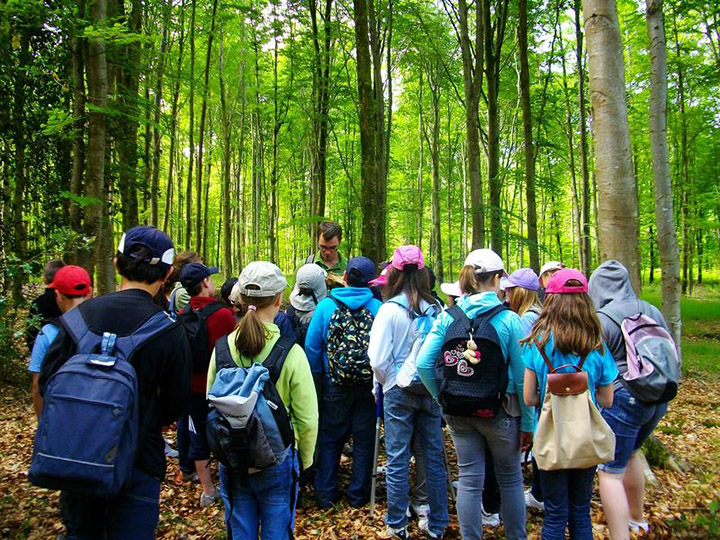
[(302, 404), (174, 377), (530, 390), (527, 422), (314, 339), (604, 390), (381, 344), (604, 395), (212, 372), (430, 350), (61, 349), (37, 398)]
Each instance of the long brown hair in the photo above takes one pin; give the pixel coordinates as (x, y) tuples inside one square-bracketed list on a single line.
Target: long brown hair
[(413, 282), (521, 300), (572, 321), (472, 283), (252, 334)]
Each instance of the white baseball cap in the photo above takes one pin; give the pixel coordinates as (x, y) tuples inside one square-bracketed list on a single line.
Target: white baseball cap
[(551, 266), (451, 289), (261, 279), (485, 260)]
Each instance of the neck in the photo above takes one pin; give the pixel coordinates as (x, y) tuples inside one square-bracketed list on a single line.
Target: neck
[(332, 259), (267, 314), (151, 289)]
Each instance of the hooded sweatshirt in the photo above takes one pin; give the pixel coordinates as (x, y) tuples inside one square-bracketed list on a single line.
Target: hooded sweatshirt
[(609, 287), (510, 331), (317, 334)]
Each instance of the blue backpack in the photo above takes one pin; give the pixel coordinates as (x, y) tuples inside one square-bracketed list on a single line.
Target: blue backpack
[(88, 430), (248, 427)]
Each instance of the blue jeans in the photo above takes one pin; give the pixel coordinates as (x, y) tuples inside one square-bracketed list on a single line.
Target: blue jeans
[(409, 415), (502, 436), (264, 502), (345, 411), (132, 514), (567, 502), (632, 422)]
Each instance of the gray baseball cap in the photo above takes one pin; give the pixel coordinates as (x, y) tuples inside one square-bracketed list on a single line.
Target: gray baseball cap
[(261, 279), (310, 287)]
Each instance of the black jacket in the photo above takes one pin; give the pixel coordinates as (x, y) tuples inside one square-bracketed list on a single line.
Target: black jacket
[(162, 365), (45, 308)]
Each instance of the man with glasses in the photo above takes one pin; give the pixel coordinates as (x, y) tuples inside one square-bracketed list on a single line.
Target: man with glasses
[(328, 257)]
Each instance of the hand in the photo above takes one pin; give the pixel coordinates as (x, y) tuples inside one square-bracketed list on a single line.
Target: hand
[(526, 440)]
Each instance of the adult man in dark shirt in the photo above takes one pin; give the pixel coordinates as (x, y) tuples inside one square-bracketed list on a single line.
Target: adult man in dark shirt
[(162, 365), (44, 308)]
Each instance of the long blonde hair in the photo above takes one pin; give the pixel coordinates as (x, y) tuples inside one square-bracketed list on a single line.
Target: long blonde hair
[(521, 300)]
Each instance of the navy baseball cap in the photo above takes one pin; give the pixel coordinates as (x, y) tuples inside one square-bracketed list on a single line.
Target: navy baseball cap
[(194, 273), (360, 270), (159, 244)]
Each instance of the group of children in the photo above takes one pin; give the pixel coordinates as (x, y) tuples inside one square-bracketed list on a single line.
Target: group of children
[(479, 366)]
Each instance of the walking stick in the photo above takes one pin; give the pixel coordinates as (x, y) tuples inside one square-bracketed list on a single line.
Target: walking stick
[(376, 453)]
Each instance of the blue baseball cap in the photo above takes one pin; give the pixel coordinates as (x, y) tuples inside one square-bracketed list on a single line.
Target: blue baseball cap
[(360, 271), (194, 273), (157, 243)]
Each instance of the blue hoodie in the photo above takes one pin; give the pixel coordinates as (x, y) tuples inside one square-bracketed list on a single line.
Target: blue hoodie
[(317, 334), (510, 331)]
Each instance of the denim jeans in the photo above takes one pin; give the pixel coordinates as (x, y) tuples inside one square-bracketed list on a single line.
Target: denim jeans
[(345, 411), (418, 489), (567, 502), (491, 490), (182, 434), (407, 415), (502, 436), (133, 514), (632, 422), (264, 501)]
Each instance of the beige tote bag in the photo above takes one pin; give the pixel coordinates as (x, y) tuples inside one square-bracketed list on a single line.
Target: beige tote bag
[(571, 433)]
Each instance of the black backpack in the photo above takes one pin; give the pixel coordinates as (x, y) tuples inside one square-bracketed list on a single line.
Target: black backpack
[(299, 327), (468, 389), (195, 324)]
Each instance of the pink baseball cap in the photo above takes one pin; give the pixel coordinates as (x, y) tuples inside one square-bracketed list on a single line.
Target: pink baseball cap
[(558, 283), (381, 279), (405, 255)]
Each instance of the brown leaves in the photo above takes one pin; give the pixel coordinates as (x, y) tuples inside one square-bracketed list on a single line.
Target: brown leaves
[(678, 508)]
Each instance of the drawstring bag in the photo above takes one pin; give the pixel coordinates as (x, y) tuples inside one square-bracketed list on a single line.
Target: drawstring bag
[(571, 432)]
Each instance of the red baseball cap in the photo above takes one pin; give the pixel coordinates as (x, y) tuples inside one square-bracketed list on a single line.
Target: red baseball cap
[(72, 281), (558, 283)]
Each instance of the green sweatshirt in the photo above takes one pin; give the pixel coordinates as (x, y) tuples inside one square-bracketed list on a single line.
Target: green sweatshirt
[(295, 386)]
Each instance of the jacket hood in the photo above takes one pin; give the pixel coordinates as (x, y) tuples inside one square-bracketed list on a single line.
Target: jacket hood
[(610, 281), (353, 297), (478, 303)]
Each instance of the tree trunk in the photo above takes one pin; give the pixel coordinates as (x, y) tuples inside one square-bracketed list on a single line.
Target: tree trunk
[(189, 190), (155, 182), (616, 184), (436, 237), (227, 158), (78, 166), (585, 250), (664, 219), (472, 84), (527, 137), (421, 164)]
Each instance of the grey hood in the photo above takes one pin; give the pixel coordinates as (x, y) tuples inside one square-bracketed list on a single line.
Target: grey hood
[(610, 281)]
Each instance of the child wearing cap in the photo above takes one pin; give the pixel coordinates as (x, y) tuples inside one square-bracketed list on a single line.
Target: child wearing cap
[(546, 272), (71, 286), (512, 426), (44, 308), (408, 414), (162, 366), (309, 290), (345, 410), (264, 499), (569, 332)]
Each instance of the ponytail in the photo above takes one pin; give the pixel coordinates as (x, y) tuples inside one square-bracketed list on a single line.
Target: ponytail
[(472, 282), (252, 335)]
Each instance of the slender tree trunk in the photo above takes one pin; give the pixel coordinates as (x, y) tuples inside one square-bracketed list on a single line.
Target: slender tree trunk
[(189, 190), (616, 183), (436, 236), (227, 158), (203, 112), (78, 166), (585, 250), (664, 218), (155, 182), (421, 164), (577, 220), (527, 137)]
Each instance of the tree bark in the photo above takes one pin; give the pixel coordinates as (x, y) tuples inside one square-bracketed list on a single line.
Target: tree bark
[(155, 182), (78, 150), (227, 158), (527, 139), (664, 213), (189, 190), (585, 249), (616, 183)]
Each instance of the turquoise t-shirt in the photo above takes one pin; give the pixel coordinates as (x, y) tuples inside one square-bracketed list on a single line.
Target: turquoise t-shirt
[(42, 343), (600, 366)]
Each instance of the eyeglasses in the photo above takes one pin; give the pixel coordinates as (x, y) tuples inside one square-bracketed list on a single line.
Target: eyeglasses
[(327, 248)]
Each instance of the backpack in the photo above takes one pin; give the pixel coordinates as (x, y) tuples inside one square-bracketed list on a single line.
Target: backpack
[(347, 345), (420, 326), (468, 389), (571, 433), (195, 324), (88, 431), (300, 326), (653, 365), (248, 427)]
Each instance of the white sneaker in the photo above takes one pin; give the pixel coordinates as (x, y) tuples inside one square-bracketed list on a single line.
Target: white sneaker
[(424, 527), (398, 534), (637, 526), (490, 520), (420, 510), (532, 502), (207, 500)]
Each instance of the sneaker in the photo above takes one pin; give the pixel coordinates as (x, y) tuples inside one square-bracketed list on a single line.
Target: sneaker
[(490, 520), (399, 534), (207, 500), (637, 526), (532, 502), (170, 451), (424, 527), (420, 510), (189, 476)]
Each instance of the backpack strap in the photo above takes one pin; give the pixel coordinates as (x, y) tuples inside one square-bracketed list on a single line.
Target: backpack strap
[(171, 304), (276, 359), (549, 365), (485, 317), (223, 357), (310, 259), (74, 323), (159, 322), (211, 308)]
